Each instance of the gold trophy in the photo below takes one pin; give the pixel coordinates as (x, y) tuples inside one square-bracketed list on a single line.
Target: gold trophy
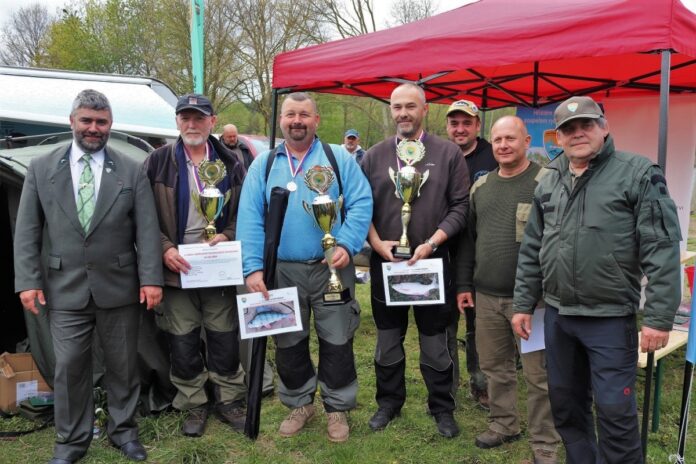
[(324, 210), (408, 182), (210, 201)]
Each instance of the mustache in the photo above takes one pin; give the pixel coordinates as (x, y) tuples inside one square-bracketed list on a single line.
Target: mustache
[(298, 126)]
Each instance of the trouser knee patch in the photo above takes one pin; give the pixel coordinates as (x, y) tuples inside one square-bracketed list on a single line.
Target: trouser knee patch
[(223, 352), (389, 349), (185, 354), (294, 365), (336, 364), (434, 352)]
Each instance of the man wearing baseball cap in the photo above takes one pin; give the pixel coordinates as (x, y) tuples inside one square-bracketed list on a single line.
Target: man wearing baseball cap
[(351, 142), (463, 127), (600, 220), (173, 174)]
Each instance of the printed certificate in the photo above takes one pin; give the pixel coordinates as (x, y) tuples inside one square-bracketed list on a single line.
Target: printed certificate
[(259, 317), (420, 284), (212, 266)]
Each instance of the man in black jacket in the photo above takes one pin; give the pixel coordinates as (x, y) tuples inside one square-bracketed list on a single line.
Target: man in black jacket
[(230, 140)]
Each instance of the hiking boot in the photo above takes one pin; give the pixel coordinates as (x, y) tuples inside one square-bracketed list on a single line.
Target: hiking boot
[(491, 439), (296, 421), (545, 456), (337, 426), (194, 424), (382, 418), (446, 424), (232, 413)]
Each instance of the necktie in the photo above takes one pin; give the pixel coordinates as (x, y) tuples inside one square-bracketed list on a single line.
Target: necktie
[(85, 193)]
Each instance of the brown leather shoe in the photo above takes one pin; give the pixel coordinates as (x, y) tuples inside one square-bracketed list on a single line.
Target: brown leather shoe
[(233, 414), (545, 456), (337, 426), (194, 424), (296, 421), (492, 439)]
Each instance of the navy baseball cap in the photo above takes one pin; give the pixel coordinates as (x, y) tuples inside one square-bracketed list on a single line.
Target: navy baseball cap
[(195, 101)]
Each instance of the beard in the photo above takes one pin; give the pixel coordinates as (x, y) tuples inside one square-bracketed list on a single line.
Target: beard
[(406, 129), (193, 140), (297, 132), (90, 146)]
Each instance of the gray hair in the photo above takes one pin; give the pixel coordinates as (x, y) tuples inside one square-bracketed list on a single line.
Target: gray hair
[(602, 122), (300, 97), (90, 99), (418, 88)]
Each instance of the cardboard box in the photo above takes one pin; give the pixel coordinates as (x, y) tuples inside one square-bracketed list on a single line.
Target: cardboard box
[(19, 380)]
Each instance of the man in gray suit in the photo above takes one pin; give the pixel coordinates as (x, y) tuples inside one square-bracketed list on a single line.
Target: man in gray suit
[(87, 246)]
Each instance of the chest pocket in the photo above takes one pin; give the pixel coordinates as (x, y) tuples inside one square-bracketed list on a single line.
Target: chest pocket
[(521, 218)]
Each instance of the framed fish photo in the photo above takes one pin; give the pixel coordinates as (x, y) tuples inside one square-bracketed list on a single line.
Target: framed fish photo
[(259, 317), (420, 284)]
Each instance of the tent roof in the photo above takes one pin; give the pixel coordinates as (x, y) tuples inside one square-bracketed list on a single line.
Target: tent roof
[(141, 106), (529, 52)]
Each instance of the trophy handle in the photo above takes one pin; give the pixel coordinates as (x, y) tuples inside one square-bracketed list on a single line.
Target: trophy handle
[(425, 177), (308, 208), (339, 204), (195, 197), (392, 176), (228, 194)]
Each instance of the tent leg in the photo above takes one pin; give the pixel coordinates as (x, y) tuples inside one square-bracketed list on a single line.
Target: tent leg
[(686, 397), (646, 405), (274, 113), (664, 109)]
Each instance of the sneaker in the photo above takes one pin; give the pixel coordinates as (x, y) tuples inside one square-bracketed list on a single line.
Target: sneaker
[(382, 418), (233, 414), (545, 456), (296, 421), (337, 426), (492, 439), (446, 424), (194, 424)]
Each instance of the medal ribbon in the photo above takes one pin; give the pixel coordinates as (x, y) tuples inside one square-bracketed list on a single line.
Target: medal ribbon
[(396, 144), (194, 170), (294, 171)]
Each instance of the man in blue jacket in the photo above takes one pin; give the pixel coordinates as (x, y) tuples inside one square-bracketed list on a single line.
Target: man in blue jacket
[(301, 264)]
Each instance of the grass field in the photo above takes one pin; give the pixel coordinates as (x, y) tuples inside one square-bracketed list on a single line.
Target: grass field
[(412, 438)]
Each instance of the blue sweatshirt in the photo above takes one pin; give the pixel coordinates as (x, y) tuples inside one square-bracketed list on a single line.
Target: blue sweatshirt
[(301, 238)]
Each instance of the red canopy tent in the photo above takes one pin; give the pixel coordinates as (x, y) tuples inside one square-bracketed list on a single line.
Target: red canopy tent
[(503, 52)]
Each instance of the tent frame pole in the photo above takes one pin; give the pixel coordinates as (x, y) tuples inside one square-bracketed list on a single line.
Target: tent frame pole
[(664, 109), (274, 116)]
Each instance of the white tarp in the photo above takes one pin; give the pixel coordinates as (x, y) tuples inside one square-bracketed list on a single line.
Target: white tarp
[(140, 106)]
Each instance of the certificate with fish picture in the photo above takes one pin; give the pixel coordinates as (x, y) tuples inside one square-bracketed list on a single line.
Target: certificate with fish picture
[(259, 317), (420, 284)]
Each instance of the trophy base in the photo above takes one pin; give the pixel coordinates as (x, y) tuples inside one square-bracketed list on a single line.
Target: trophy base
[(402, 252), (337, 298)]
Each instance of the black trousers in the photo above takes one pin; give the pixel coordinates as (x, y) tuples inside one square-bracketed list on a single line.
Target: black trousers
[(436, 364), (594, 357)]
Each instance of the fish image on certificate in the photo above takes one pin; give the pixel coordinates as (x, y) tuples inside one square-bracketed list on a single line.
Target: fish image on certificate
[(420, 284), (279, 314)]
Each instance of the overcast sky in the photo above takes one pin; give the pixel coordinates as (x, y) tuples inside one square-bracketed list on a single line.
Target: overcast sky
[(7, 7)]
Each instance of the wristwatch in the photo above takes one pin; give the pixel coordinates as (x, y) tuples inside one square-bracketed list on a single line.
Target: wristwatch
[(432, 244)]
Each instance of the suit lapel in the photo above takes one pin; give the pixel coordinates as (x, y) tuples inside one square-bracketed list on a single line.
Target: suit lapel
[(61, 182), (109, 190)]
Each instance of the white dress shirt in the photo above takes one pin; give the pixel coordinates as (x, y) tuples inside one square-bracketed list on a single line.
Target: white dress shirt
[(97, 164)]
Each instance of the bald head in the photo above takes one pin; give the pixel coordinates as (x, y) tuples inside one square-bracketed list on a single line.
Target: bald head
[(408, 109), (229, 135), (510, 141)]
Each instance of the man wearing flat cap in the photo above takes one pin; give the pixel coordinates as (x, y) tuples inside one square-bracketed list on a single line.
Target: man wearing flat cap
[(600, 220), (173, 173)]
